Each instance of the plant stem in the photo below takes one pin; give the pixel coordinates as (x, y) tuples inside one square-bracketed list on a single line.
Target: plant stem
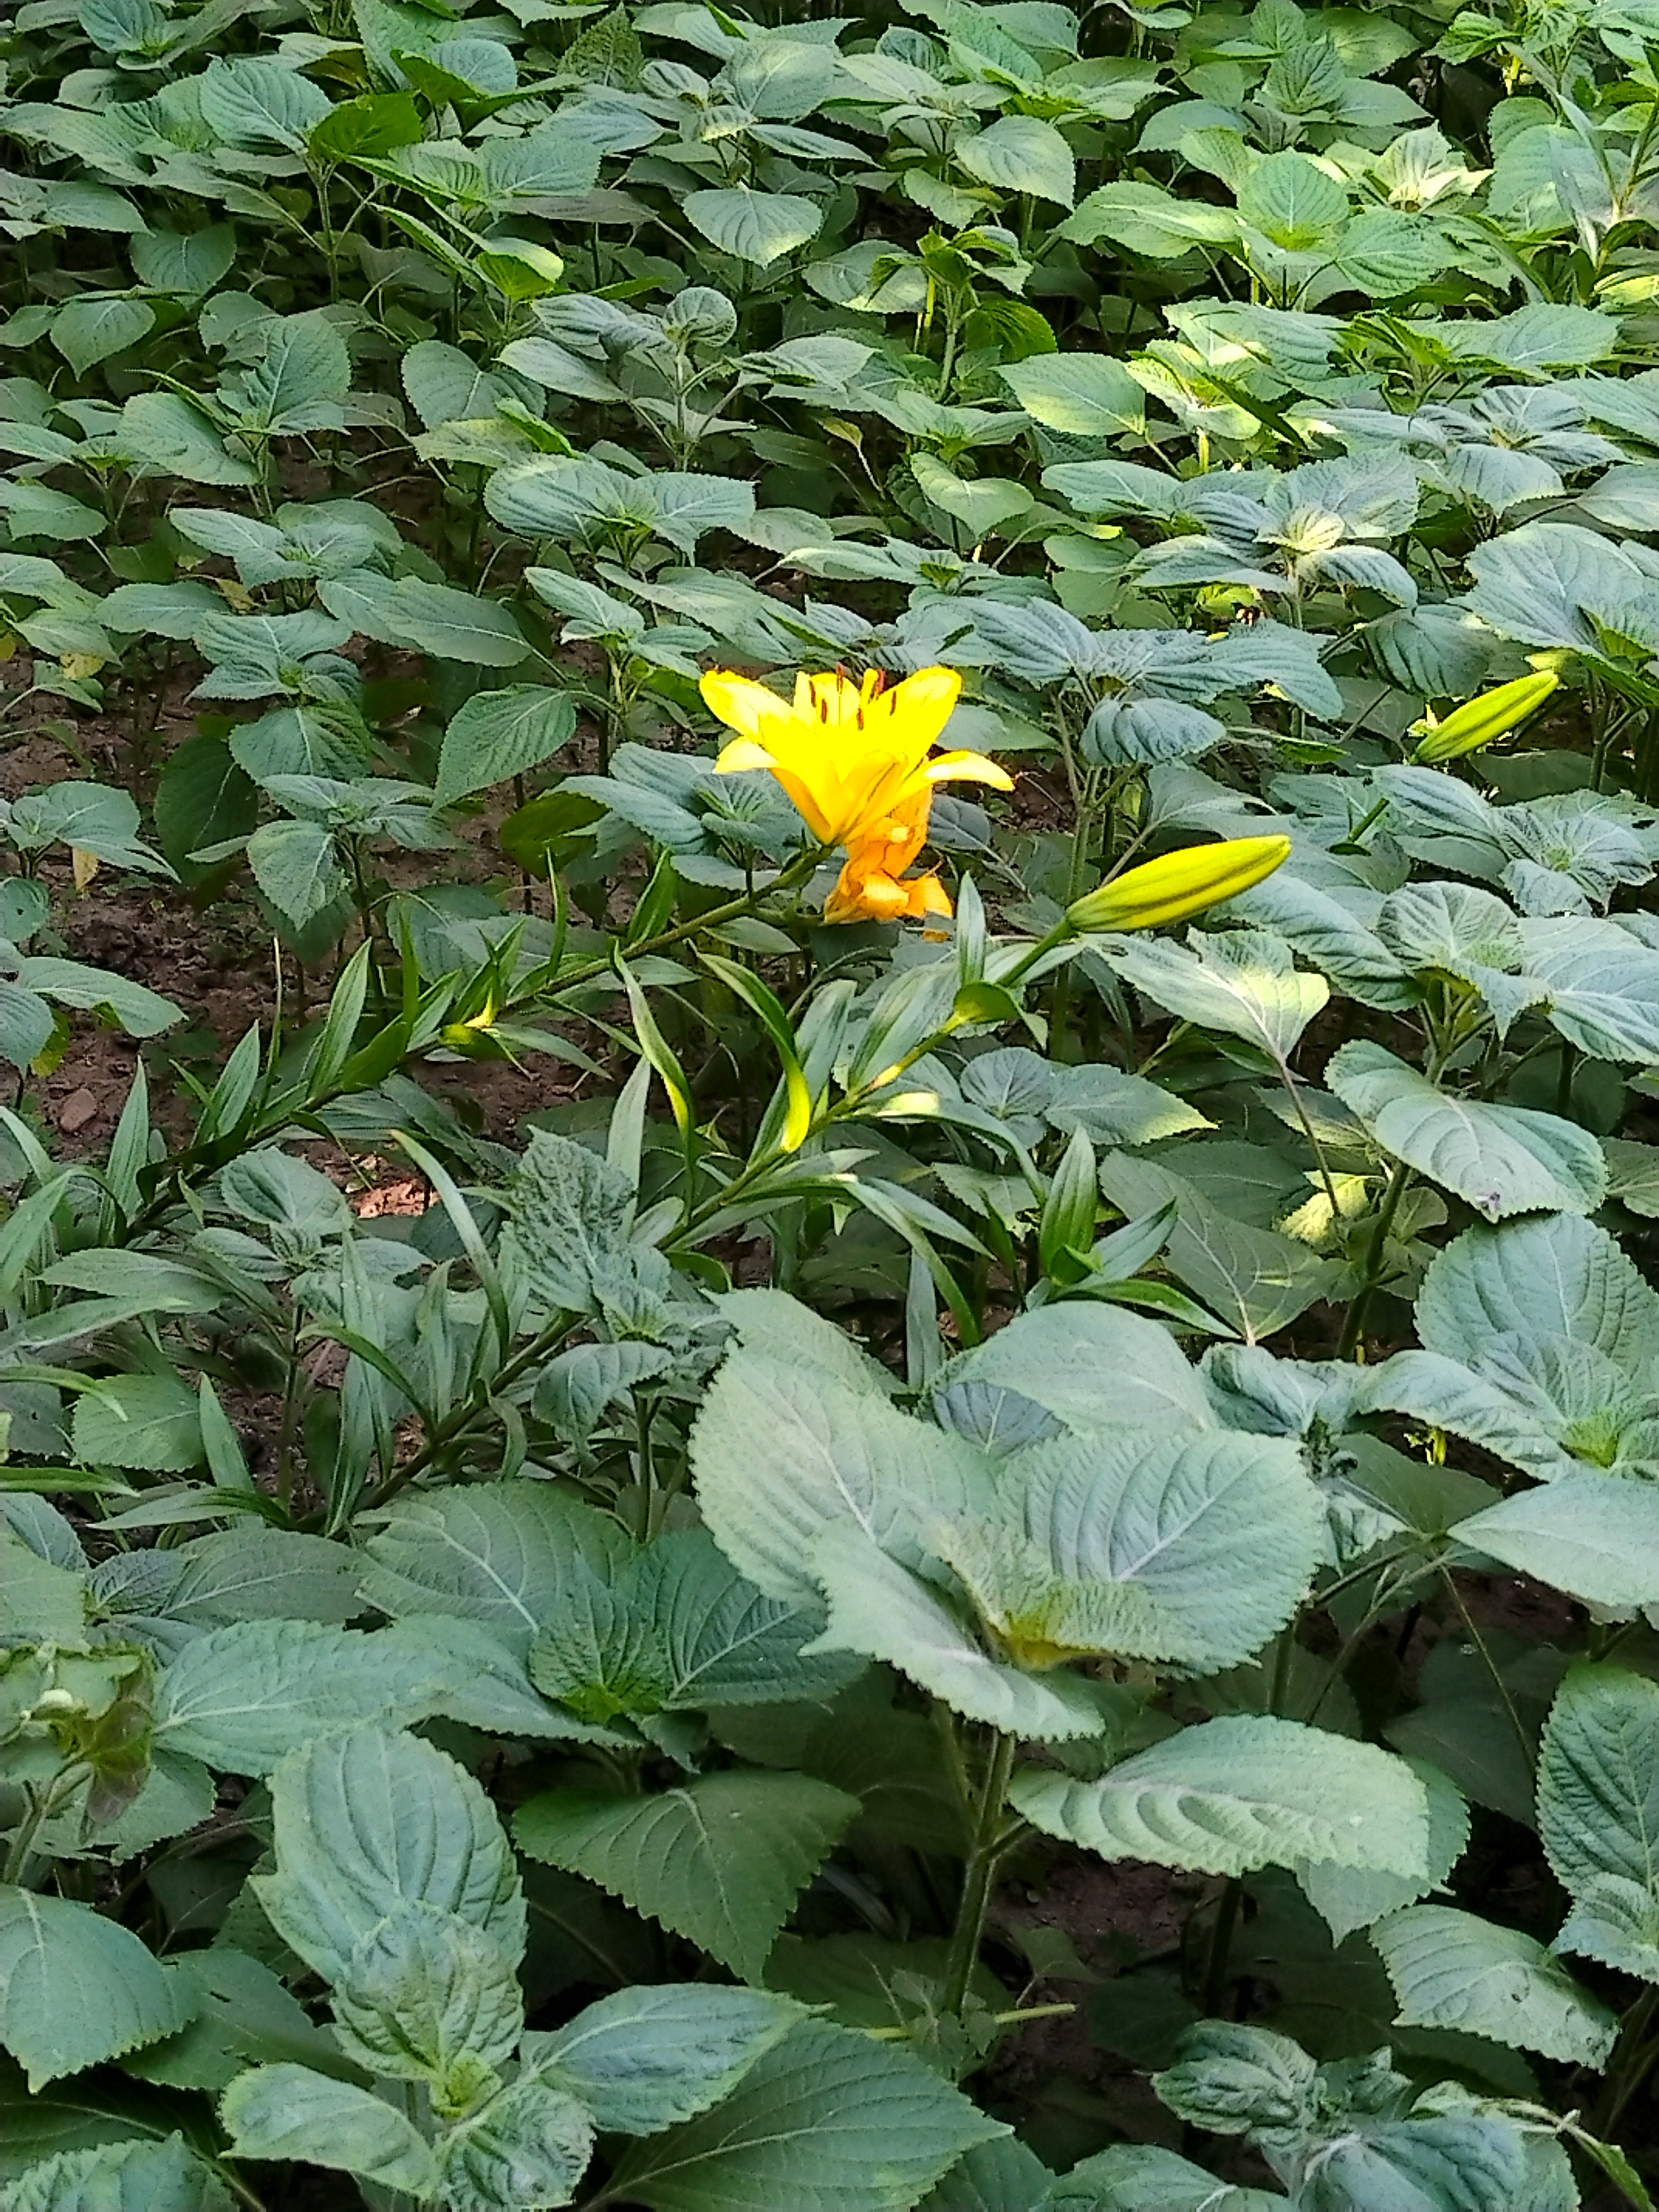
[(979, 1874), (1630, 2068), (796, 872), (455, 1425), (1497, 1682), (1221, 1945), (42, 1805), (1348, 1343)]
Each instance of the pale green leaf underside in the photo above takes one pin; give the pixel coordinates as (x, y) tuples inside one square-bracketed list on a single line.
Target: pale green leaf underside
[(1239, 1794), (1452, 1970)]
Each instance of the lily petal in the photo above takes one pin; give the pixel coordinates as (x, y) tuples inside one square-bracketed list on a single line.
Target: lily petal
[(742, 704), (924, 702), (968, 768), (743, 753)]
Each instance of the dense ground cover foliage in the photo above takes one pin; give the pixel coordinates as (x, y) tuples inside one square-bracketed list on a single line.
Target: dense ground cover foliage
[(1006, 1556)]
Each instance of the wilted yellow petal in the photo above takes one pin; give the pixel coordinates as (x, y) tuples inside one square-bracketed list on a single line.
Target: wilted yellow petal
[(1179, 884)]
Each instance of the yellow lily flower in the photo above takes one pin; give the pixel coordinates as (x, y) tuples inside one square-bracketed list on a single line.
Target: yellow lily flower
[(858, 761)]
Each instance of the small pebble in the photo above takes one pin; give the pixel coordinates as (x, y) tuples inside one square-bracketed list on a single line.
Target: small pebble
[(76, 1110)]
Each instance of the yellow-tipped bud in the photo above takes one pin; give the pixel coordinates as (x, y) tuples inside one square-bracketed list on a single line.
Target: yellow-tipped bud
[(1179, 884), (1478, 722)]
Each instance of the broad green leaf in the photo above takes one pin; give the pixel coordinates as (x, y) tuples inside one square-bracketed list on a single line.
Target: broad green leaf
[(1502, 1160), (86, 331), (1533, 584), (985, 504), (370, 1821), (1474, 2160), (1562, 1276), (1459, 930), (244, 2016), (1348, 1898), (204, 797), (1146, 219), (646, 2058), (299, 384), (1555, 1406), (498, 735), (372, 123), (1465, 1722), (834, 1455), (1595, 1537), (1140, 2177), (1241, 2081), (444, 385), (434, 618), (189, 261), (496, 1552), (140, 1011), (702, 1634), (90, 816), (169, 434), (995, 2176), (290, 2113), (1091, 1367), (720, 1862), (254, 1572), (755, 226), (1228, 2078), (1452, 1970), (251, 101), (830, 2121), (1244, 982), (772, 1322), (424, 1993), (1388, 251), (1602, 985), (880, 1608), (528, 2146), (40, 1602), (244, 1696), (570, 1216), (146, 1421), (123, 2176), (297, 867), (1086, 395), (1218, 1534), (1598, 1815), (1238, 1794), (1254, 1279), (1021, 153), (553, 496), (77, 1989), (27, 1025), (574, 1391), (1543, 335), (1297, 203)]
